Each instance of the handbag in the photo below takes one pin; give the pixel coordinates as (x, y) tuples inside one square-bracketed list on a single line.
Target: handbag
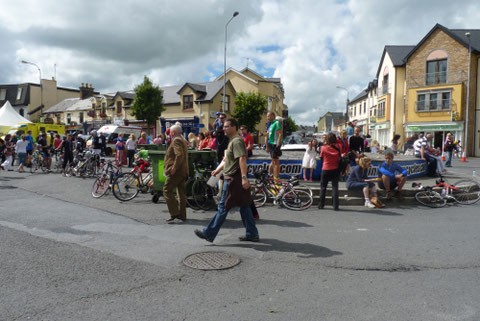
[(343, 162)]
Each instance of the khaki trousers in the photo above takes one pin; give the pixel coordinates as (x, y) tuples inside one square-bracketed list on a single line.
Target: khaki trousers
[(177, 209)]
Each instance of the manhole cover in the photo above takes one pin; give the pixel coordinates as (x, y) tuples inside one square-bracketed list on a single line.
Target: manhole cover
[(211, 260)]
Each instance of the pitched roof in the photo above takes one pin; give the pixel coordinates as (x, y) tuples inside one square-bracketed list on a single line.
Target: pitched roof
[(397, 54), (208, 90), (62, 106), (457, 34), (360, 96)]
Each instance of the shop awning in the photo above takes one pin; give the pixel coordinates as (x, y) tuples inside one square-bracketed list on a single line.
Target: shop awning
[(434, 127)]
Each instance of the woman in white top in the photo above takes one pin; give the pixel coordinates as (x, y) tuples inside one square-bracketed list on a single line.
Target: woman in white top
[(21, 150), (310, 159), (131, 147)]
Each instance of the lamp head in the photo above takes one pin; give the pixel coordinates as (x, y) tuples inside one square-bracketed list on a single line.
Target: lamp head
[(235, 13), (24, 62)]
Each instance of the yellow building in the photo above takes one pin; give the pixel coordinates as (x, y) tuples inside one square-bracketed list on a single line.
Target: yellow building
[(437, 84)]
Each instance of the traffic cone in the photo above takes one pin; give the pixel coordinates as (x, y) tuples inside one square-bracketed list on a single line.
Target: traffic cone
[(464, 157), (443, 157)]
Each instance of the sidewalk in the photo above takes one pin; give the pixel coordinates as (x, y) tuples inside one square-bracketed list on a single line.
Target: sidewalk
[(459, 170)]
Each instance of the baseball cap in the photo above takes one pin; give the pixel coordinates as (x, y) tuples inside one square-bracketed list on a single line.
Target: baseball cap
[(218, 113)]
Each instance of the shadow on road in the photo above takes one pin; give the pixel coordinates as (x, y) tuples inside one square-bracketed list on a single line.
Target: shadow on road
[(378, 211), (304, 250)]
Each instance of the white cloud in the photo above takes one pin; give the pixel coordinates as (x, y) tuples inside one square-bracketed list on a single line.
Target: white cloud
[(313, 46)]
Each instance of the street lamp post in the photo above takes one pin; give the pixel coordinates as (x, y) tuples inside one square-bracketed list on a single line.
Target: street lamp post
[(346, 113), (40, 72), (225, 60), (465, 144)]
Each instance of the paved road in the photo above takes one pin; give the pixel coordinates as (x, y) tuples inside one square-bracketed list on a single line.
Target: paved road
[(67, 256)]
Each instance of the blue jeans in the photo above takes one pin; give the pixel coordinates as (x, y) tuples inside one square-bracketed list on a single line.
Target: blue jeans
[(215, 224), (360, 185), (449, 159)]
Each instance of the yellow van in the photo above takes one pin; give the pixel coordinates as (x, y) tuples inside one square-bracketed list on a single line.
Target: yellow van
[(36, 129)]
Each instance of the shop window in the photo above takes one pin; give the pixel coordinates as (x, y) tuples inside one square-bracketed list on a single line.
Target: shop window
[(187, 102)]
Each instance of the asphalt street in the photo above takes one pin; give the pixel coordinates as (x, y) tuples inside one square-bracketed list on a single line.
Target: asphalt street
[(67, 256)]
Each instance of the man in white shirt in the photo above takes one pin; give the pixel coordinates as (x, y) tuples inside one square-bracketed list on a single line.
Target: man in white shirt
[(21, 150)]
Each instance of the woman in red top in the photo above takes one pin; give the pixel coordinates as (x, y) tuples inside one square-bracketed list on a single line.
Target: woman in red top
[(330, 153)]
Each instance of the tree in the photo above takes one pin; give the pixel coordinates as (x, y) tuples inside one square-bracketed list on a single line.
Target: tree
[(148, 102), (290, 125), (249, 109)]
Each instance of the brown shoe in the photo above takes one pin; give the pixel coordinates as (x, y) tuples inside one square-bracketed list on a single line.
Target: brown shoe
[(375, 201)]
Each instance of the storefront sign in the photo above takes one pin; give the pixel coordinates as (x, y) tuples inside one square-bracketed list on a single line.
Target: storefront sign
[(382, 126), (434, 127)]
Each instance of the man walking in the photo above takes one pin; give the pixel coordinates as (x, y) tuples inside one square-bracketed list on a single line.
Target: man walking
[(274, 143), (236, 189), (176, 171)]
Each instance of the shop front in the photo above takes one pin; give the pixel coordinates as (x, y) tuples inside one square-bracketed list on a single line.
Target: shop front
[(439, 131), (382, 133), (190, 124)]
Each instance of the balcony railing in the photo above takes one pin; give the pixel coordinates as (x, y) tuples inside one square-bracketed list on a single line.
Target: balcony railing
[(382, 91), (437, 78), (434, 105)]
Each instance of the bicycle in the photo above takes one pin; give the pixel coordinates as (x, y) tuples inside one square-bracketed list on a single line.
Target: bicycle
[(104, 181), (465, 192), (204, 196), (37, 162), (126, 186), (284, 193)]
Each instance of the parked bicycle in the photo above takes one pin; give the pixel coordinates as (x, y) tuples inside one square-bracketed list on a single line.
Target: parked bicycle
[(126, 186), (105, 180), (465, 191), (203, 196), (285, 193), (88, 164)]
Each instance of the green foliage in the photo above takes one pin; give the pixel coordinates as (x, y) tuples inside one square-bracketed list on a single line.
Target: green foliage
[(148, 103), (249, 109), (290, 125)]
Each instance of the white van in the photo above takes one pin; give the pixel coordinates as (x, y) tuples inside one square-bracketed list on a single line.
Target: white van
[(111, 132)]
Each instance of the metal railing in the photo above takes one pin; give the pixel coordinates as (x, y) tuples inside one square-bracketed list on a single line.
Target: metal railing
[(434, 105), (381, 91), (437, 78)]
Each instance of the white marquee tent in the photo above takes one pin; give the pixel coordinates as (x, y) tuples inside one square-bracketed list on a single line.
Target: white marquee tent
[(9, 117)]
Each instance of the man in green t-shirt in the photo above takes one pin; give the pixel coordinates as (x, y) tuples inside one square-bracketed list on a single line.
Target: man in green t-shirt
[(236, 188), (274, 143)]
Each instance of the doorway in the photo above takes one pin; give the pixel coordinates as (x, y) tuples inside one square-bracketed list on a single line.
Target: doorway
[(438, 140)]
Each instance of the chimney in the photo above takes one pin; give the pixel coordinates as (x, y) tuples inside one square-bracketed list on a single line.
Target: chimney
[(86, 91)]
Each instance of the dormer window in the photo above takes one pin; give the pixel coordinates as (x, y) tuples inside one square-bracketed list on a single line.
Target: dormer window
[(19, 93), (188, 102)]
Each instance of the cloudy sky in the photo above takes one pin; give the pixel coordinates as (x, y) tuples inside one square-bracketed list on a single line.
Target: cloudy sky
[(313, 46)]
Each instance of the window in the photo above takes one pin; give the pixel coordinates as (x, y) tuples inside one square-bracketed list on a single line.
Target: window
[(81, 117), (3, 94), (436, 72), (227, 103), (69, 118), (104, 108), (21, 112), (188, 102), (119, 107), (434, 101), (19, 93), (364, 108), (381, 109)]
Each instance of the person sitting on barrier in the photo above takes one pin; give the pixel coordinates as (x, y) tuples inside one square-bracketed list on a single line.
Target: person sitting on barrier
[(358, 179), (389, 179)]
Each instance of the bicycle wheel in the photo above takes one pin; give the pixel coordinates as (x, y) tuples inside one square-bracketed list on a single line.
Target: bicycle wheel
[(58, 165), (258, 195), (34, 166), (430, 199), (466, 192), (203, 195), (304, 188), (126, 187), (100, 186), (297, 200), (190, 200)]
